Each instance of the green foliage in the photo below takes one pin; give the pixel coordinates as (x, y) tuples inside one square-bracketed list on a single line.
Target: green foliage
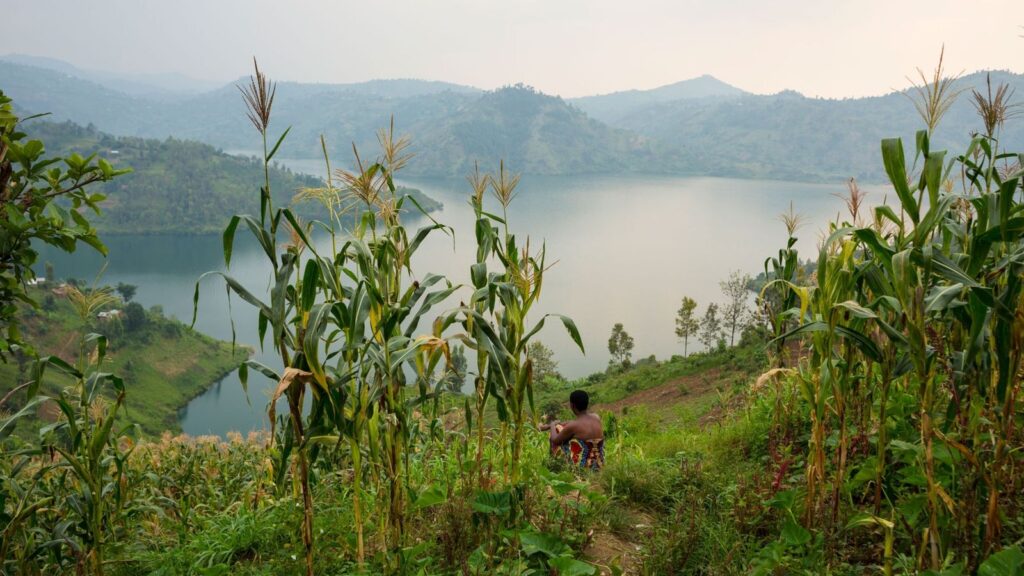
[(134, 317), (687, 323), (34, 191), (85, 478), (911, 388), (345, 326), (127, 291), (735, 310), (181, 186), (455, 374), (171, 363), (545, 366), (620, 346), (710, 327)]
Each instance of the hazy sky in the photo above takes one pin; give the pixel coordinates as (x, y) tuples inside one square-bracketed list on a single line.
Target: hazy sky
[(830, 48)]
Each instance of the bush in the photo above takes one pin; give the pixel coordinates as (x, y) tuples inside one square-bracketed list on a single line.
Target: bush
[(134, 317)]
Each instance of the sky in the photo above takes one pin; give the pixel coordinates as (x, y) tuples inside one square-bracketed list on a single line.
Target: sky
[(827, 48)]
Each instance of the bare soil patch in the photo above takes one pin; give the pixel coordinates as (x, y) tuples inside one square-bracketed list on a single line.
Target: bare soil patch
[(672, 393)]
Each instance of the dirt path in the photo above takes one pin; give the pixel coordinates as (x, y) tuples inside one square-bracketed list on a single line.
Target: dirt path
[(608, 549)]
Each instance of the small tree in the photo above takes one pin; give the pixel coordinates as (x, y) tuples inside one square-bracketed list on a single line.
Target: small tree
[(543, 360), (710, 327), (127, 291), (134, 317), (686, 321), (44, 201), (455, 376), (620, 345), (50, 275), (736, 292)]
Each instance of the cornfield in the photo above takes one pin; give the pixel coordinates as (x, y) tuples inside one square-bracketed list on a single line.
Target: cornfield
[(914, 323)]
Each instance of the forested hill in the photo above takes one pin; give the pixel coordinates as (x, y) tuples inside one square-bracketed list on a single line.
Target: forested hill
[(533, 132), (695, 127), (451, 126), (177, 186), (791, 136)]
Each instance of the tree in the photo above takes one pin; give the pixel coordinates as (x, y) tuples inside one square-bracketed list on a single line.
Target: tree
[(620, 345), (686, 321), (543, 360), (455, 377), (736, 296), (44, 200), (50, 275), (134, 316), (127, 291), (710, 327)]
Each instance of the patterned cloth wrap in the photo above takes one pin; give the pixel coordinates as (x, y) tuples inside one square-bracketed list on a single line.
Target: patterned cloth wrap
[(582, 453)]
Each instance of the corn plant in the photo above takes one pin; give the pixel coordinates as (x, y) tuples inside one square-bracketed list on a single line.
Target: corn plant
[(496, 316), (916, 326), (343, 323), (86, 477)]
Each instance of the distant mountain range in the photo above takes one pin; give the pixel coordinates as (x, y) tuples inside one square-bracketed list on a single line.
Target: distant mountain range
[(611, 108), (701, 126), (148, 85)]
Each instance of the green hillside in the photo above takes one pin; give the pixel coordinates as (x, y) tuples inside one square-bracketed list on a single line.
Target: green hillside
[(790, 136), (177, 186), (532, 132), (164, 363)]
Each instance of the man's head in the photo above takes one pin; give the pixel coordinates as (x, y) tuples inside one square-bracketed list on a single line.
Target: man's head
[(579, 400)]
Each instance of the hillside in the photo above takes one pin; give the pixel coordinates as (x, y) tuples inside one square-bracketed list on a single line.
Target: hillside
[(532, 132), (177, 186), (344, 113), (164, 363), (790, 136)]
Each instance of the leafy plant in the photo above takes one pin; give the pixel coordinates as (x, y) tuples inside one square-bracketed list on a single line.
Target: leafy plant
[(33, 191), (914, 324)]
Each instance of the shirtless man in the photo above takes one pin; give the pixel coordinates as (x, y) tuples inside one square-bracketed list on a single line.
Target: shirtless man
[(582, 439)]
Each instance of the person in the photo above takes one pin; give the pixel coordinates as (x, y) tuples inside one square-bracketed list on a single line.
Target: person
[(581, 439)]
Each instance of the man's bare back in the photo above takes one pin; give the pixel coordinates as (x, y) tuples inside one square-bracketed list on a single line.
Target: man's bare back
[(586, 426)]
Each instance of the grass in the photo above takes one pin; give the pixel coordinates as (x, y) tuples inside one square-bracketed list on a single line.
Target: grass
[(164, 363)]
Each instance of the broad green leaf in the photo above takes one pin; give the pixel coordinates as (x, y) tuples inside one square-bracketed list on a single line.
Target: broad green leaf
[(1006, 562), (895, 167), (566, 566)]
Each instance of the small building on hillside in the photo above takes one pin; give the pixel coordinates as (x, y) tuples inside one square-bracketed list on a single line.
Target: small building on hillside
[(110, 314)]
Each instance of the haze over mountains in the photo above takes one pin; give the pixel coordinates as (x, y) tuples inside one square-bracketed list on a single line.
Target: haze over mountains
[(701, 126)]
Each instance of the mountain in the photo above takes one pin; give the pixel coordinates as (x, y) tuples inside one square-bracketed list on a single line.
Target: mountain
[(700, 126), (178, 186), (451, 126), (790, 136), (344, 113), (169, 85), (534, 133), (611, 107)]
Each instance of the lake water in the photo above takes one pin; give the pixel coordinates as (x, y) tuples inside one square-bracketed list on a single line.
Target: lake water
[(628, 248)]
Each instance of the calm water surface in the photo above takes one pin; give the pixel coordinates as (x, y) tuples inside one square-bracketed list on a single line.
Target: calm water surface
[(627, 250)]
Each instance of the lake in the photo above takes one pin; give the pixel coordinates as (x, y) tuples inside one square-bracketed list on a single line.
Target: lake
[(628, 248)]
